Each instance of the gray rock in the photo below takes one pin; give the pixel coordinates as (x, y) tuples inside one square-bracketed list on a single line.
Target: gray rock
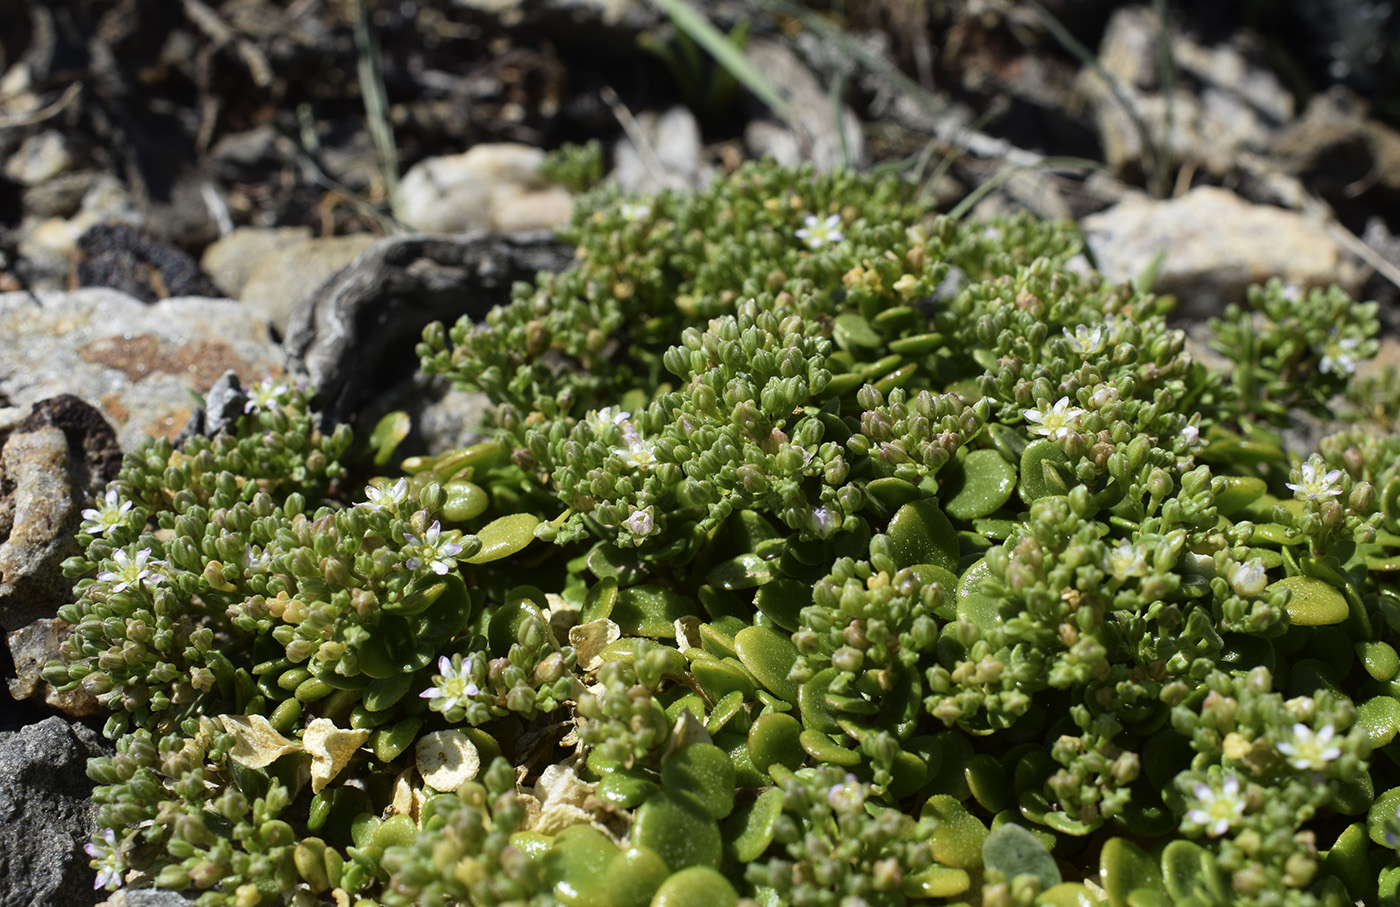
[(492, 186), (33, 646), (810, 131), (1216, 245), (49, 245), (136, 363), (40, 158), (43, 517), (46, 814), (53, 464), (231, 260), (1223, 104), (147, 897), (60, 196), (356, 335), (667, 156), (287, 275)]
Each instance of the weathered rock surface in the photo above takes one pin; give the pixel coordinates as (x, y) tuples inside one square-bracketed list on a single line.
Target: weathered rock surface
[(49, 467), (355, 336), (811, 130), (288, 275), (136, 363), (46, 814), (1216, 245), (494, 186), (33, 646), (232, 259), (1223, 102)]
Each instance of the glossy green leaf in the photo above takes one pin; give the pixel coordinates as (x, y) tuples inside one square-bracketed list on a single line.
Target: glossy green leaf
[(388, 434), (576, 866), (463, 500), (823, 749), (1313, 603), (504, 536), (678, 828), (1043, 467), (774, 738), (625, 788), (1380, 716), (958, 836), (1238, 492), (703, 771), (633, 877), (937, 882), (1124, 866), (978, 485), (1015, 851), (919, 533), (973, 605), (748, 832), (651, 610), (782, 601), (769, 656), (697, 886)]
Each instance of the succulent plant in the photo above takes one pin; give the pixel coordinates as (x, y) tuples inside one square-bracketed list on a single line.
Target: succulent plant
[(823, 551)]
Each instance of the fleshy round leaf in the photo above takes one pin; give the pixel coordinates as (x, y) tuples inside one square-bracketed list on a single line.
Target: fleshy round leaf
[(703, 771), (1015, 851), (769, 656), (1313, 603), (978, 485), (919, 533), (678, 828), (697, 886)]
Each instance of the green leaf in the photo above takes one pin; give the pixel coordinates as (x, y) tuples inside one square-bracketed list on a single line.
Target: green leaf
[(699, 28), (1015, 851)]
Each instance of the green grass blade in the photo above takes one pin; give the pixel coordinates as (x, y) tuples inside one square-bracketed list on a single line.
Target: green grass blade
[(704, 33)]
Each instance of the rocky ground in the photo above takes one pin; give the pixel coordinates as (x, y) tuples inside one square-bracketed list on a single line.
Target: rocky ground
[(189, 187)]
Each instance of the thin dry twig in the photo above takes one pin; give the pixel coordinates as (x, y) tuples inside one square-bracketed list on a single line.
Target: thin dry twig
[(70, 94), (629, 124)]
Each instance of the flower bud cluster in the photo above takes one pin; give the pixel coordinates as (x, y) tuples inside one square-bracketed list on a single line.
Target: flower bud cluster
[(832, 851)]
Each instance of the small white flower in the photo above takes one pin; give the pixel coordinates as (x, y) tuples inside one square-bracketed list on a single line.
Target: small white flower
[(847, 797), (1086, 341), (1218, 810), (1309, 751), (107, 860), (638, 453), (1340, 357), (1292, 293), (1057, 422), (131, 572), (108, 515), (601, 419), (452, 688), (817, 233), (1126, 561), (1314, 483), (1249, 579), (641, 523), (823, 522), (632, 212), (265, 396), (432, 551), (387, 498), (1192, 434)]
